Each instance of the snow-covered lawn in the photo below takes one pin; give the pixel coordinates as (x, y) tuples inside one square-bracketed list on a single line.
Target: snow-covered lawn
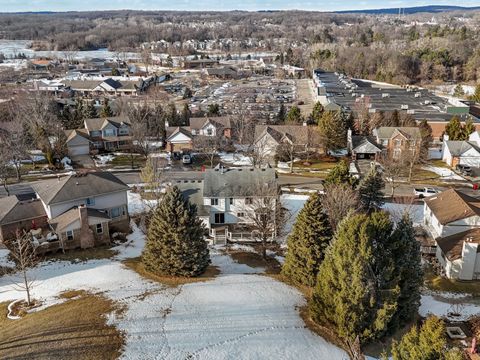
[(434, 305), (238, 315), (235, 159), (415, 211), (5, 259), (102, 160), (444, 173)]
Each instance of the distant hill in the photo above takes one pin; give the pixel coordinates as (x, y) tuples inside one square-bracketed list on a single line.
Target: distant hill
[(413, 10)]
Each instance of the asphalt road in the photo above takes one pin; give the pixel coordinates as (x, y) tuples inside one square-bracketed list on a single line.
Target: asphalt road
[(24, 190)]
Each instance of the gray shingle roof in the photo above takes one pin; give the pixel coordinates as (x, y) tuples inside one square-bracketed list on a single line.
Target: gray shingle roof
[(458, 148), (367, 143), (62, 221), (237, 182), (386, 132), (299, 134), (100, 123), (77, 187), (193, 191), (12, 210), (197, 123)]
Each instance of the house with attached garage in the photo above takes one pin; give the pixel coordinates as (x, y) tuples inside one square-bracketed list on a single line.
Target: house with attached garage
[(76, 211), (78, 142), (453, 220), (461, 153), (398, 141), (363, 147), (109, 134), (179, 139), (227, 199), (211, 126)]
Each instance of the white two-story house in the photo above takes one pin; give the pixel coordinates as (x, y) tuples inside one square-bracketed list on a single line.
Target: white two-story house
[(453, 220), (227, 198)]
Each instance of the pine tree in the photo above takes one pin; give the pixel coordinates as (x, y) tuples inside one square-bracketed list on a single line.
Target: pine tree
[(333, 131), (468, 129), (371, 197), (395, 118), (281, 114), (458, 91), (294, 115), (307, 243), (317, 112), (476, 94), (106, 110), (186, 114), (340, 174), (356, 291), (90, 111), (425, 343), (175, 244), (407, 255), (427, 138), (454, 129)]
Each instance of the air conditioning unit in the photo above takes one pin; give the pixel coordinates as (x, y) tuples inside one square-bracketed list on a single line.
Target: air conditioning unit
[(404, 107), (385, 95), (418, 94), (411, 111)]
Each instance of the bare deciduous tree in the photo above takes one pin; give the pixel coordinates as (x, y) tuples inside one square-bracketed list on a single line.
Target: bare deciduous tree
[(265, 215), (22, 251), (338, 201), (209, 146)]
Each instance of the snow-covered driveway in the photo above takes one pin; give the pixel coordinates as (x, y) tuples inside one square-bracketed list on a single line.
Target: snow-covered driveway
[(238, 315)]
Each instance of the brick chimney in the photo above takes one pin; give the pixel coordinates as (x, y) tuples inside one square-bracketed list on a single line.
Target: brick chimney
[(87, 240)]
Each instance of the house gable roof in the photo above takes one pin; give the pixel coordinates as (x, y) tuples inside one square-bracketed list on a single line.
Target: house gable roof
[(452, 205), (72, 134), (97, 124), (69, 217), (237, 182), (458, 148), (452, 245), (387, 132), (12, 210), (365, 145), (74, 187), (297, 134), (179, 130)]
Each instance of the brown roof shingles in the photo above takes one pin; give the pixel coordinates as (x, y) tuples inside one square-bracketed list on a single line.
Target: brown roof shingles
[(452, 245), (453, 205)]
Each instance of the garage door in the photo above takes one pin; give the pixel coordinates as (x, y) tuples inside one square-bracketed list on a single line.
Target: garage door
[(78, 150)]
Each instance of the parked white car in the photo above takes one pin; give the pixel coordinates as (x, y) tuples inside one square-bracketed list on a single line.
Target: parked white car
[(186, 159), (424, 192)]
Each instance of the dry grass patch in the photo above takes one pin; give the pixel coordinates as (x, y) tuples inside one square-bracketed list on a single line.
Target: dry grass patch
[(254, 260), (82, 255), (438, 283), (136, 265), (76, 329)]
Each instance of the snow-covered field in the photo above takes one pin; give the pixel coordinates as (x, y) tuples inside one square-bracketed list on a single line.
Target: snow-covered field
[(238, 315), (235, 159)]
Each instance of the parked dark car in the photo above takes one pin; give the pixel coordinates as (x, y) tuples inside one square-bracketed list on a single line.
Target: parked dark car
[(465, 170)]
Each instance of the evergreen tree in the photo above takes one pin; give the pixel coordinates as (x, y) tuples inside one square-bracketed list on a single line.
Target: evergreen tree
[(340, 174), (317, 112), (476, 94), (371, 197), (468, 129), (427, 138), (407, 255), (282, 114), (458, 91), (427, 343), (106, 110), (333, 131), (186, 114), (356, 289), (395, 118), (175, 244), (307, 243), (90, 110), (454, 129), (294, 115)]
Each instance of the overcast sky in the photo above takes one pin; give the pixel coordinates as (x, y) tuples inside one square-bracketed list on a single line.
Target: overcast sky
[(321, 5)]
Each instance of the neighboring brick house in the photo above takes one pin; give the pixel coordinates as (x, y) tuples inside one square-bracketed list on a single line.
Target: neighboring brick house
[(397, 141), (110, 134), (179, 139), (16, 215)]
